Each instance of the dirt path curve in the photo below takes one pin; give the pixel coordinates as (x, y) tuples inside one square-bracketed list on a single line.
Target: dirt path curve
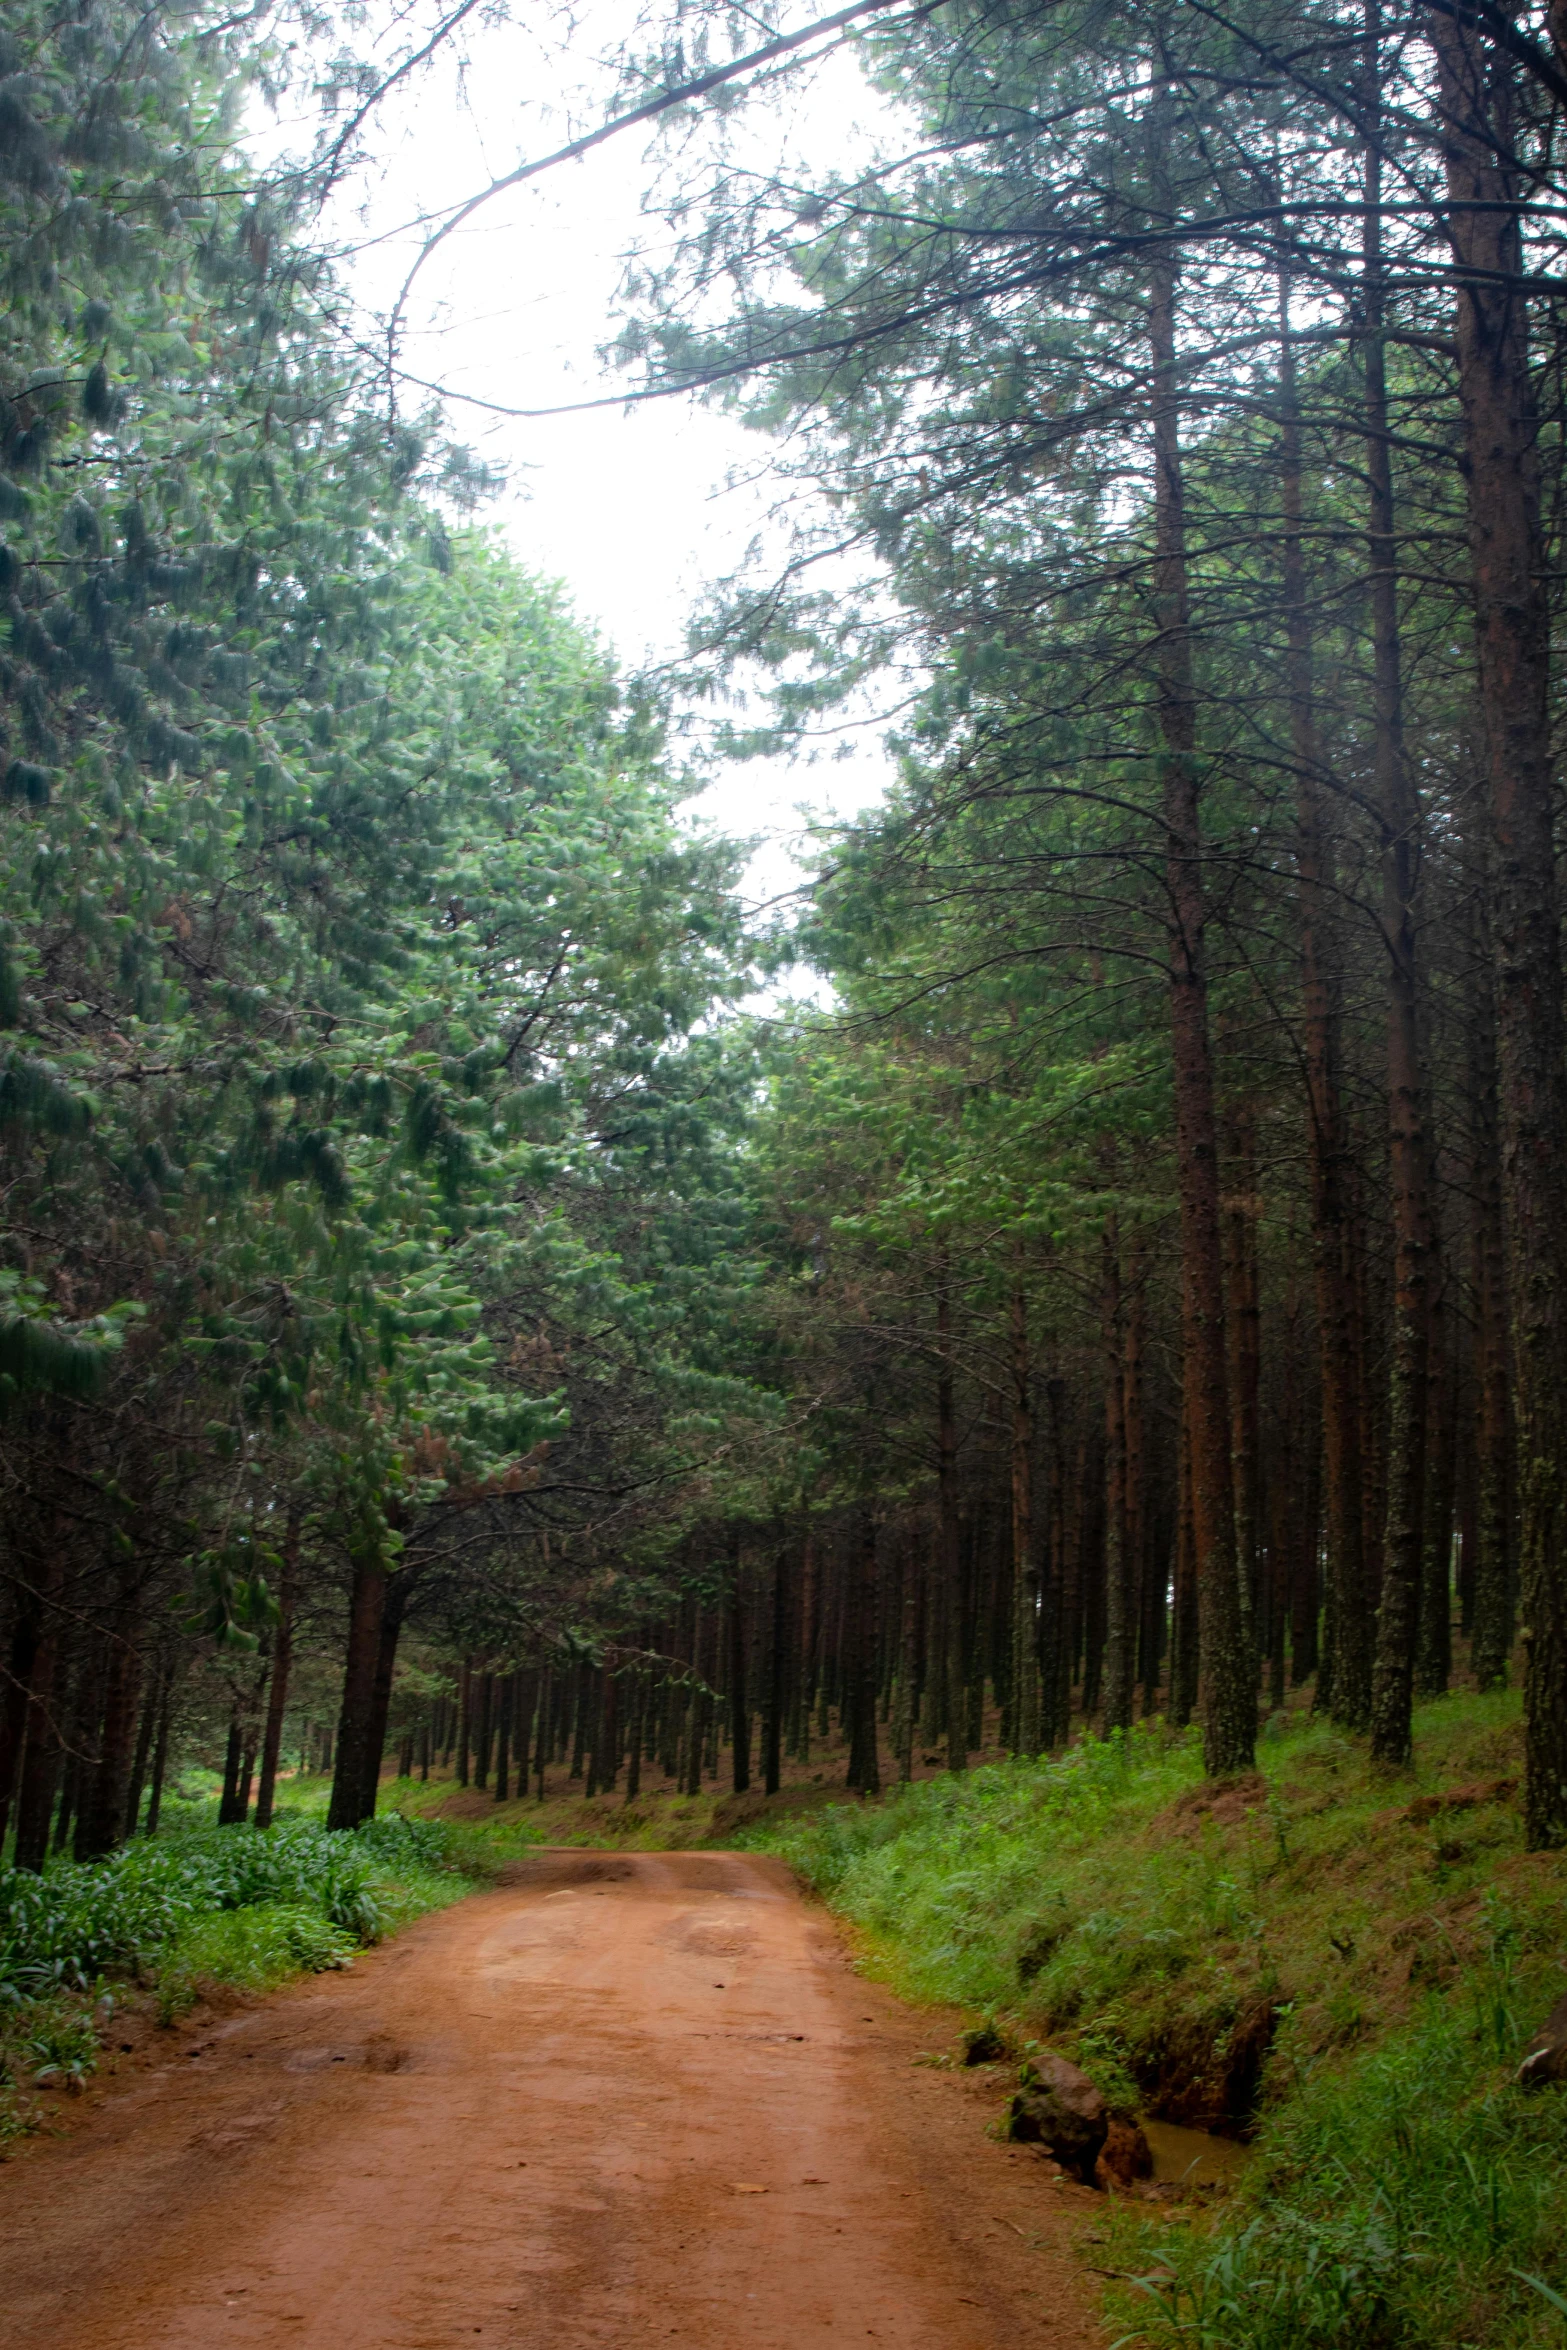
[(533, 2120)]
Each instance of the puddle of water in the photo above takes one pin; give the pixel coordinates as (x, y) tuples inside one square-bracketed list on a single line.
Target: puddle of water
[(1192, 2157)]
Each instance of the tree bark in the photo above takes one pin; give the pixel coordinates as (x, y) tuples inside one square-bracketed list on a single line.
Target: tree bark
[(392, 1613), (864, 1761), (1228, 1694), (146, 1729), (26, 1638), (1433, 1647), (1491, 1563), (277, 1690), (1120, 1659), (160, 1755), (951, 1537), (355, 1724), (503, 1742), (1025, 1565), (464, 1724), (777, 1670), (1392, 1680), (1243, 1308), (229, 1814), (739, 1702), (1333, 1272), (1501, 428), (103, 1810)]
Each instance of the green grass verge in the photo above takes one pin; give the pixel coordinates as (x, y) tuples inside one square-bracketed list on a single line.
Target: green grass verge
[(1345, 1964), (659, 1821)]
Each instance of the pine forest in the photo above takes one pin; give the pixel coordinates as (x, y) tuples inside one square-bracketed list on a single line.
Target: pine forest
[(1022, 1375)]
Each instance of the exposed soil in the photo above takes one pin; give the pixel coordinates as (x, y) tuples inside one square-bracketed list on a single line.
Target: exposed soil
[(624, 2099)]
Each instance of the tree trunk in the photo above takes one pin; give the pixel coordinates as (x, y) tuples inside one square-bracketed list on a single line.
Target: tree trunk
[(1139, 1530), (464, 1720), (696, 1733), (1025, 1565), (103, 1809), (1228, 1691), (21, 1682), (1184, 1633), (1055, 1665), (152, 1706), (1392, 1681), (581, 1718), (1491, 1562), (951, 1538), (282, 1658), (777, 1670), (1434, 1644), (503, 1742), (160, 1755), (1333, 1271), (229, 1814), (484, 1743), (739, 1702), (542, 1743), (635, 1729), (355, 1723), (1243, 1306), (860, 1666), (1120, 1658), (1501, 427), (392, 1612), (247, 1770)]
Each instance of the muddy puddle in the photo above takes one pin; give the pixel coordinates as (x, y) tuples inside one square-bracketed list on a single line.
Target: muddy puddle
[(1192, 2158)]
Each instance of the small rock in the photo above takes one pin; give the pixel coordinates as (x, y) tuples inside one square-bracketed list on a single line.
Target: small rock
[(1125, 2156), (1545, 2058), (1057, 2106)]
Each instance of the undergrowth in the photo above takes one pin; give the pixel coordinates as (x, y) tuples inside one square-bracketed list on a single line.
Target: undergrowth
[(1340, 1964)]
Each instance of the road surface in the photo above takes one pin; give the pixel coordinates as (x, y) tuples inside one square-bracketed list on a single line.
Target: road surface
[(621, 2100)]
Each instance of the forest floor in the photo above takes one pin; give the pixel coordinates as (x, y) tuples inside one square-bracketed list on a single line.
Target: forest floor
[(617, 2098)]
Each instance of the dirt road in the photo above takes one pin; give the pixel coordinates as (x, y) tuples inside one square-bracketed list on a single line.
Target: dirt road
[(623, 2100)]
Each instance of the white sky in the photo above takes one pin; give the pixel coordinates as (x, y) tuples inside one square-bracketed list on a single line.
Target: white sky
[(634, 510)]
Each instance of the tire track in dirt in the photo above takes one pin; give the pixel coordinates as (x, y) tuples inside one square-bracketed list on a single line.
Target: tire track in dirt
[(623, 2099)]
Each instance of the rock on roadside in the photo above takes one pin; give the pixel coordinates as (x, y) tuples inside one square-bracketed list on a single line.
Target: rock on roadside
[(1125, 2157), (1058, 2107), (1545, 2058)]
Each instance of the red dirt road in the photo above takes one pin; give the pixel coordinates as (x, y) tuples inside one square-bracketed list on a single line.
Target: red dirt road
[(533, 2120)]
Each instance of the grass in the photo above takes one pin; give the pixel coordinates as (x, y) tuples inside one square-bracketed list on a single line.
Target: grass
[(1342, 1964), (659, 1821), (198, 1910)]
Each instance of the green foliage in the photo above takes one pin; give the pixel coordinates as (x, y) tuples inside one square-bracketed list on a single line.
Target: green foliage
[(1393, 2203), (75, 1923), (56, 2042), (252, 1948), (364, 1133)]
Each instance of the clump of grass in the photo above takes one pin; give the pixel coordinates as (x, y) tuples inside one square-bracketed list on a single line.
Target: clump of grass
[(75, 1922), (252, 1949), (1413, 2198), (49, 2043), (493, 1833)]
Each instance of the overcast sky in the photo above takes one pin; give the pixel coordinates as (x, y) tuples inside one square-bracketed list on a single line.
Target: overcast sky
[(634, 510)]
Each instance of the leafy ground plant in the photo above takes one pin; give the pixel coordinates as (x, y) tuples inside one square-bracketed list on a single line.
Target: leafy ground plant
[(251, 1949), (202, 1909)]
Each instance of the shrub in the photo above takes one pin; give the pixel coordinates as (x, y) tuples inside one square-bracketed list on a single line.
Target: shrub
[(249, 1949), (74, 1923)]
